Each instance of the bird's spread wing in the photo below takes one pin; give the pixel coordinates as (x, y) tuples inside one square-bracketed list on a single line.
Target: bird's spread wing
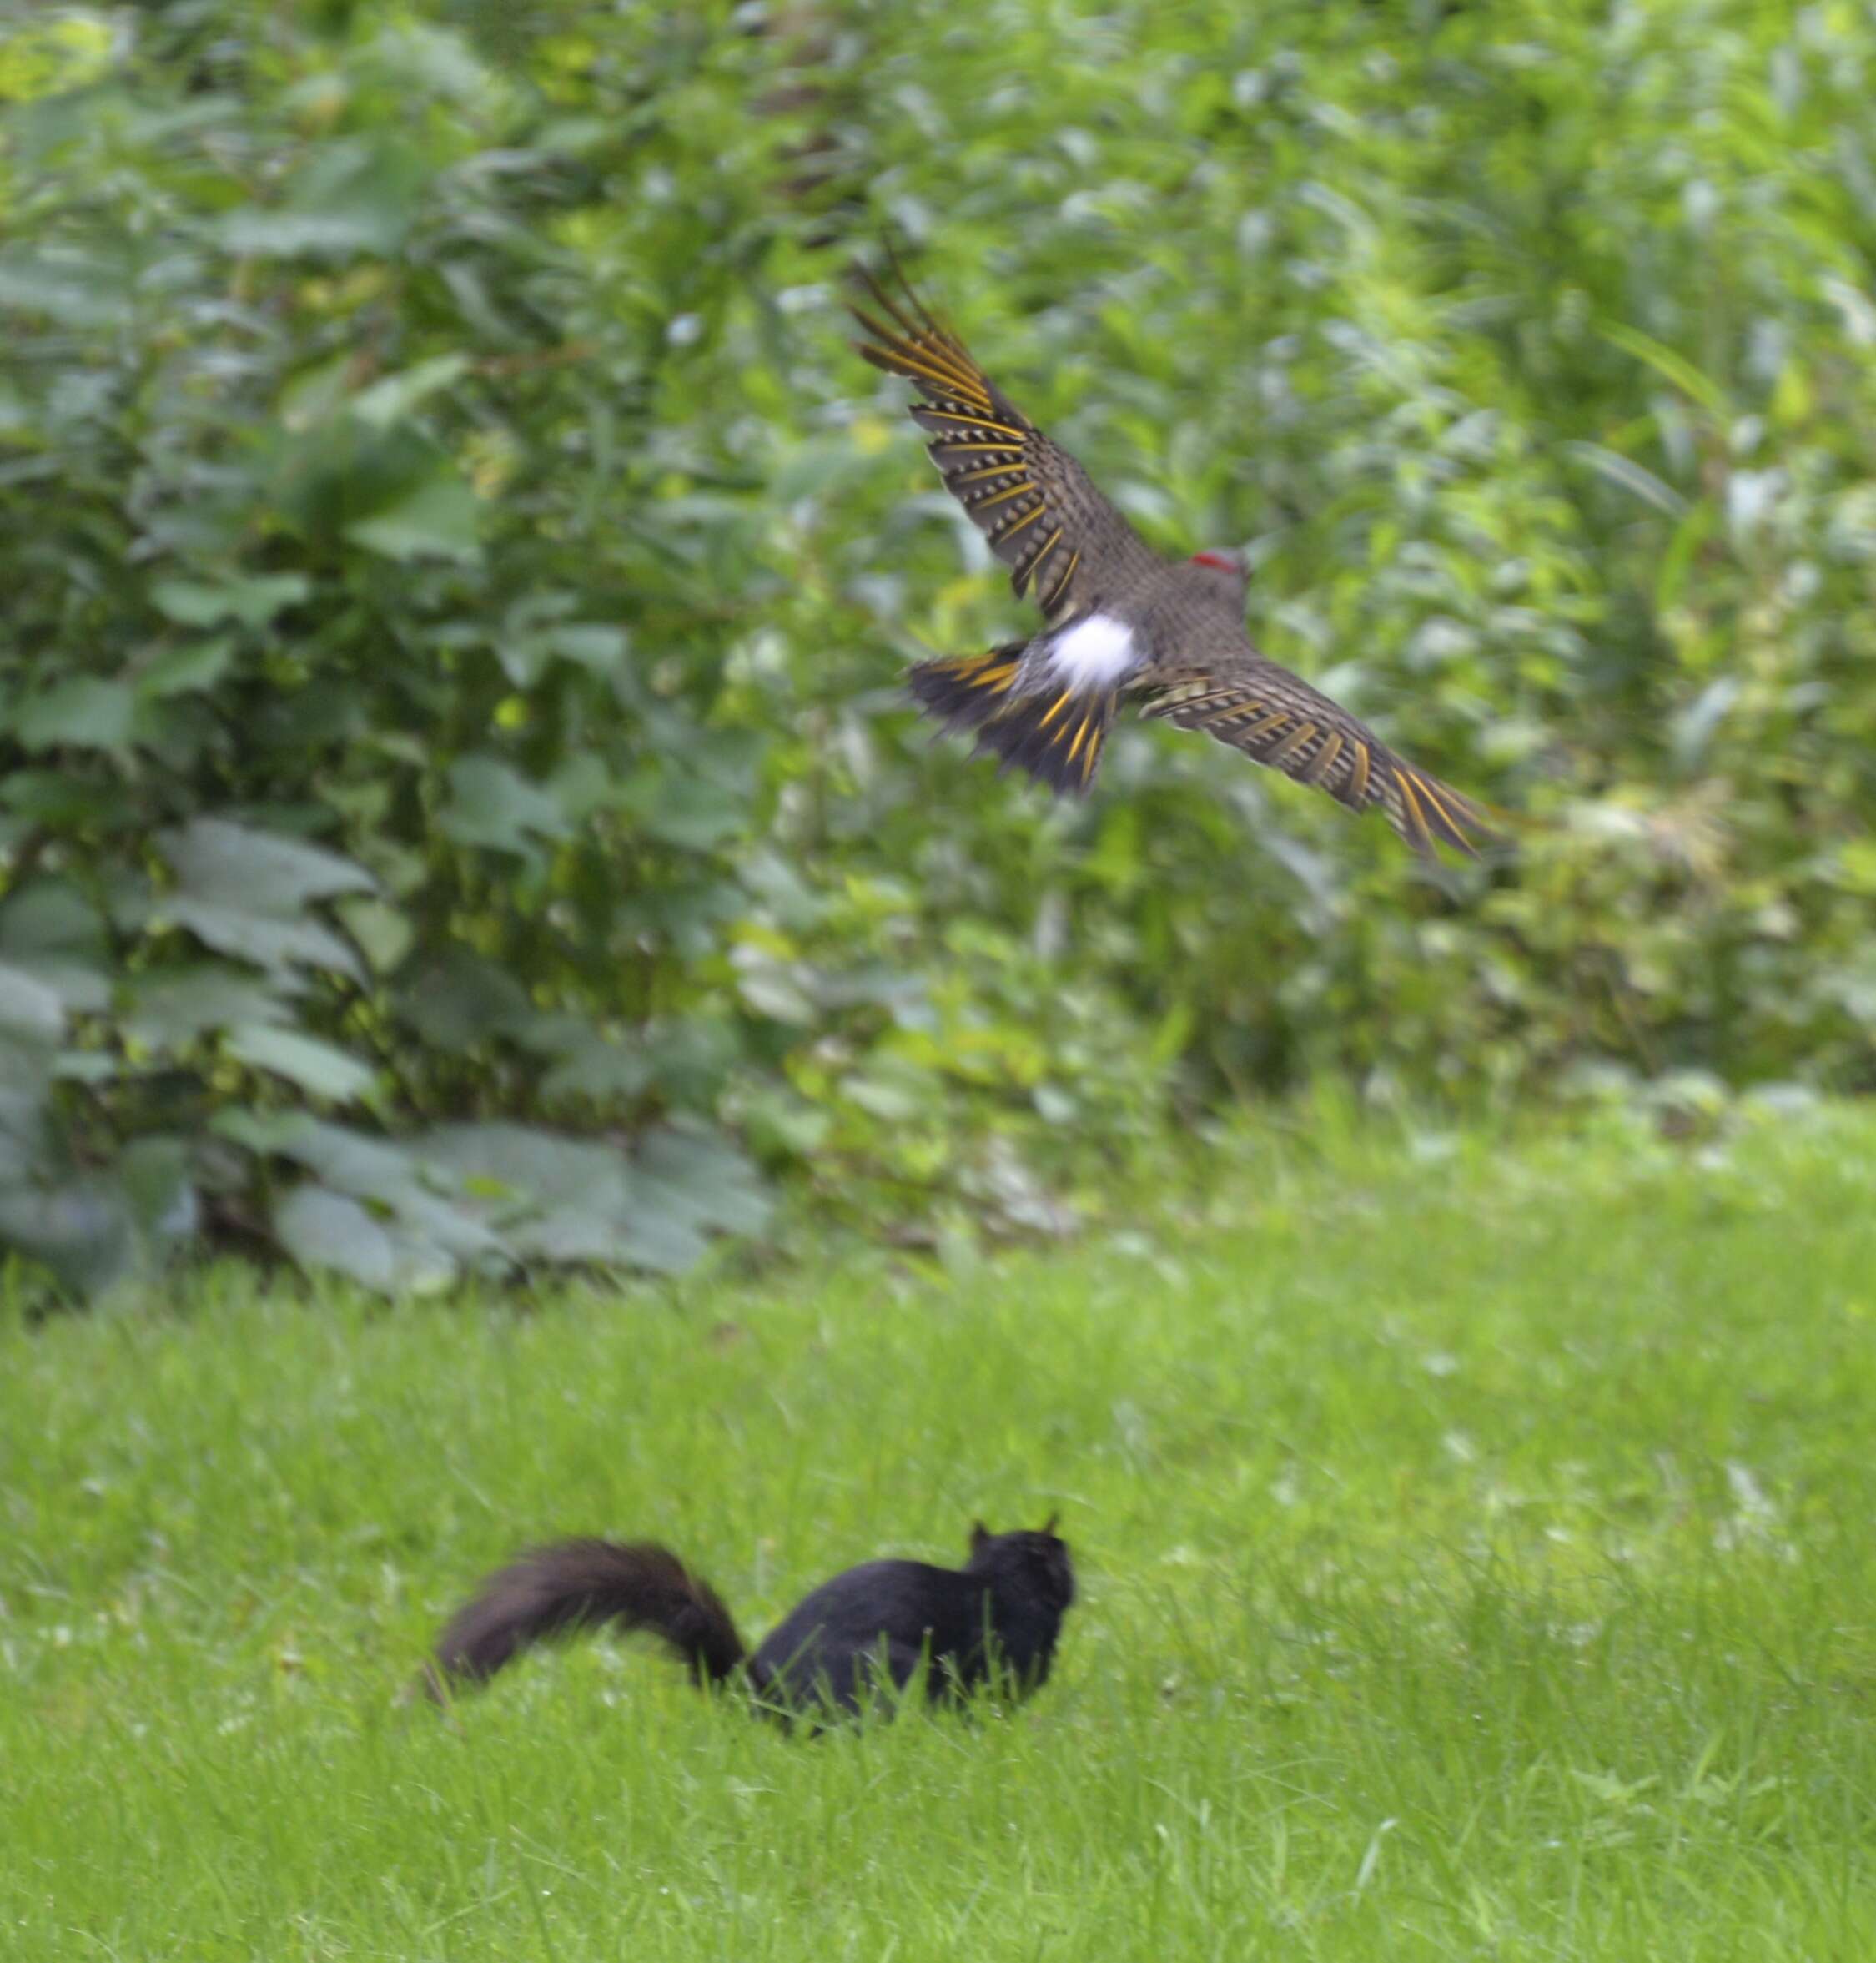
[(1275, 717), (1036, 507)]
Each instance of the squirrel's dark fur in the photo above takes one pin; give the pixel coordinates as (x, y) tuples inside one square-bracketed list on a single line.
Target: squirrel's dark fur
[(999, 1613)]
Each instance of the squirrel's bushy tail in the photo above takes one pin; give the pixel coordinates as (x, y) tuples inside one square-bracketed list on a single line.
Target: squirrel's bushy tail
[(580, 1584)]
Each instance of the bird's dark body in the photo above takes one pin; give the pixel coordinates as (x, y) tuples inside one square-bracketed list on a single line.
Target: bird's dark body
[(1121, 623)]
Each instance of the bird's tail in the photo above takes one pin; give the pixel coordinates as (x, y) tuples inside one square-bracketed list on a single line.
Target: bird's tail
[(1056, 736), (582, 1584)]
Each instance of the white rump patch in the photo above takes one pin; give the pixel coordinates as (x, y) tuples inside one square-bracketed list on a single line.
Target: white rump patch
[(1093, 654)]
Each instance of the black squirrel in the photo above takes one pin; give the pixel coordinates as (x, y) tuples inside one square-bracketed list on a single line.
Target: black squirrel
[(998, 1614)]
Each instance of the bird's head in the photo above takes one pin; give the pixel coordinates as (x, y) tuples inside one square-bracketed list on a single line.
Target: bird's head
[(1223, 566)]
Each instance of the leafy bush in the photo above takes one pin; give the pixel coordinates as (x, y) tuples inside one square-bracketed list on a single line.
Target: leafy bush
[(360, 696), (453, 766)]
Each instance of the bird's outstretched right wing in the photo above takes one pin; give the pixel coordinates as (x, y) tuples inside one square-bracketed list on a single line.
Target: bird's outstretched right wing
[(1277, 719), (1036, 507)]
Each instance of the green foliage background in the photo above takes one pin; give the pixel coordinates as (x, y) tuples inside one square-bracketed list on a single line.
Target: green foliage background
[(458, 807)]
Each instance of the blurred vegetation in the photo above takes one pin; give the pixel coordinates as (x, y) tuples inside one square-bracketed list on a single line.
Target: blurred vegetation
[(457, 804)]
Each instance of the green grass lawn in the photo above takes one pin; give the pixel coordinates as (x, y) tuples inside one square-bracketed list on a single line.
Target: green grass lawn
[(1475, 1544)]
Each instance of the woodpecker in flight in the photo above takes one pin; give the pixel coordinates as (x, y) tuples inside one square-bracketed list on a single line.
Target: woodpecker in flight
[(1119, 620)]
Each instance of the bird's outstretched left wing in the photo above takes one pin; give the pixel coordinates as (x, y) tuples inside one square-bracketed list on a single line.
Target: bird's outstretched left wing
[(1276, 718), (1036, 507)]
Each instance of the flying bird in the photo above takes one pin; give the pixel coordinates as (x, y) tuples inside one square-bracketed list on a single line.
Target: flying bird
[(1120, 622)]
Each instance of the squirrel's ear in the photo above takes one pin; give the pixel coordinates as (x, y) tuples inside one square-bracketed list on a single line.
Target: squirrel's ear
[(1049, 1525), (979, 1534)]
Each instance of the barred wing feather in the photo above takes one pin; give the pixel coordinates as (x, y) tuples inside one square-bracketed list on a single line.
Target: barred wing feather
[(1276, 718), (1039, 509)]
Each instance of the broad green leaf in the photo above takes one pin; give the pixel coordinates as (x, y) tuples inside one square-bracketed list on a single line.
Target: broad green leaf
[(420, 55), (192, 665), (492, 804), (267, 940), (380, 1248), (215, 860), (254, 599), (429, 1201), (588, 1065), (52, 918), (771, 990), (393, 398), (457, 999), (85, 712), (529, 1166), (562, 1200), (264, 1132), (80, 1228), (701, 1178), (67, 800), (48, 930), (894, 1102), (695, 812), (325, 1229), (382, 931), (167, 1008), (93, 1067), (30, 1010), (354, 196), (316, 1067), (26, 1150), (590, 643), (438, 520), (65, 286)]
